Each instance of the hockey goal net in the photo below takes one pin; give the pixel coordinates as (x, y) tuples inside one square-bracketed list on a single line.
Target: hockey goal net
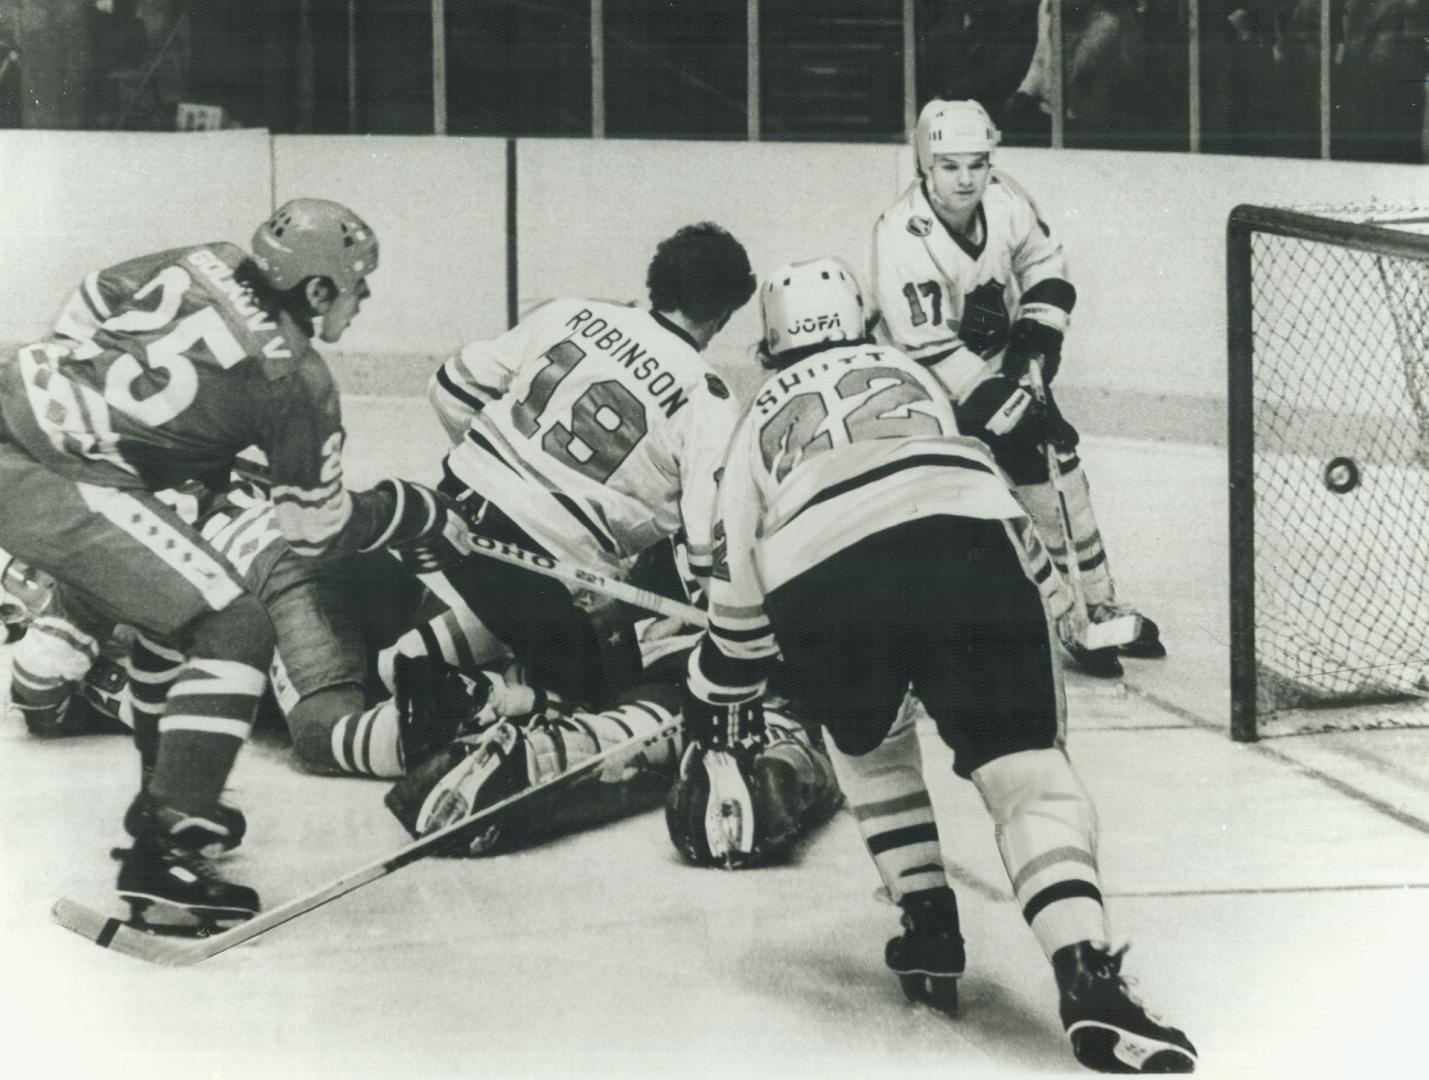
[(1329, 468)]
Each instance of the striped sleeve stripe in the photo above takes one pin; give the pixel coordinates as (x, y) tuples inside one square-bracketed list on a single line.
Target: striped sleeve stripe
[(311, 528), (833, 491), (317, 496), (93, 297), (1056, 292), (449, 386), (741, 636), (731, 612)]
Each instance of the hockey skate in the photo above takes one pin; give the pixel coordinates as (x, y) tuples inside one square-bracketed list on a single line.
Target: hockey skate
[(1146, 645), (1098, 663), (1111, 1031), (166, 881), (929, 957)]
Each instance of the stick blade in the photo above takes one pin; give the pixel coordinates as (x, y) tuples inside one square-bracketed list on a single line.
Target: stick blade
[(118, 936)]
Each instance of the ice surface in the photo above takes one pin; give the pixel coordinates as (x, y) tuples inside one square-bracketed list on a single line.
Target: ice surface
[(1277, 896)]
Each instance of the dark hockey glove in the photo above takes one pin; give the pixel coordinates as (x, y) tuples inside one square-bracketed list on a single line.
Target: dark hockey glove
[(426, 530), (999, 406), (1029, 338)]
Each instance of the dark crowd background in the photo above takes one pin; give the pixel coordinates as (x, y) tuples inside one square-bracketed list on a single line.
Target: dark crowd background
[(829, 70)]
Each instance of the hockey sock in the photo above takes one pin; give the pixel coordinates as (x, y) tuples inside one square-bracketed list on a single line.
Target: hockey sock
[(1047, 834), (455, 638), (330, 739), (152, 669), (47, 663), (889, 799), (208, 716), (1041, 502)]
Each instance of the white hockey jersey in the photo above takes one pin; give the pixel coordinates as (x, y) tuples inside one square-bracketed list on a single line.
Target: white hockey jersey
[(948, 303), (595, 426), (836, 447)]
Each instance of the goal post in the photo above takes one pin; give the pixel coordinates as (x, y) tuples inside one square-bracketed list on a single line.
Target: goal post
[(1328, 457)]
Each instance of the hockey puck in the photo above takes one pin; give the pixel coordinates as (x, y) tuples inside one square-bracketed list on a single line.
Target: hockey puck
[(1342, 475)]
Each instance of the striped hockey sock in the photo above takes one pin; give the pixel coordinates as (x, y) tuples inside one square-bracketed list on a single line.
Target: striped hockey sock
[(366, 742), (1046, 833), (152, 669), (888, 797), (209, 713)]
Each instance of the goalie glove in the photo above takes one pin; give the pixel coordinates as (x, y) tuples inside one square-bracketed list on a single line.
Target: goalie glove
[(1027, 339), (426, 530)]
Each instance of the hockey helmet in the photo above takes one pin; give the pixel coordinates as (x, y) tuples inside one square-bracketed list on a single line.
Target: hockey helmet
[(805, 303), (953, 127), (315, 238)]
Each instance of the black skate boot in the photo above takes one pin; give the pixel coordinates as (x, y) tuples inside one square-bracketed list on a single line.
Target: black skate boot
[(1147, 643), (225, 831), (929, 958), (1111, 1031), (167, 883), (1098, 663), (435, 704)]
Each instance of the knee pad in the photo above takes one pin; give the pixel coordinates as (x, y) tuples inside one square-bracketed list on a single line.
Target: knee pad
[(1012, 784), (241, 632), (55, 651)]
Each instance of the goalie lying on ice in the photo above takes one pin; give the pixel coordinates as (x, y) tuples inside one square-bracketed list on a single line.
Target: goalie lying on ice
[(789, 780)]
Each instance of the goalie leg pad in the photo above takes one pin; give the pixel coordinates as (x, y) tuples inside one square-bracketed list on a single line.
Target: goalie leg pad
[(1041, 502), (1046, 831), (466, 775)]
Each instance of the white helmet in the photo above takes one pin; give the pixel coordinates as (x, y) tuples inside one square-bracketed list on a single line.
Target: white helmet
[(805, 303), (953, 127)]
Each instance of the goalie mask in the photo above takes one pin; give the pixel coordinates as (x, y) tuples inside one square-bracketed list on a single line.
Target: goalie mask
[(953, 127), (808, 303), (315, 238)]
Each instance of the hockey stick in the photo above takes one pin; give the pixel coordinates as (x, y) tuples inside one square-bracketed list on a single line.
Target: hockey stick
[(1095, 636), (115, 934), (501, 551)]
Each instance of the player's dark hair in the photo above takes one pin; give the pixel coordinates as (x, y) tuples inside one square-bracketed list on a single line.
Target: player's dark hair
[(789, 357), (271, 301), (702, 272)]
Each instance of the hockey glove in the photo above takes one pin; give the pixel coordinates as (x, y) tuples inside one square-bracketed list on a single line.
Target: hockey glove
[(998, 406), (426, 530), (1029, 338)]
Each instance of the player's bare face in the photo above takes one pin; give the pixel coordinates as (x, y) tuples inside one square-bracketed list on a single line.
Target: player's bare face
[(956, 183), (341, 310)]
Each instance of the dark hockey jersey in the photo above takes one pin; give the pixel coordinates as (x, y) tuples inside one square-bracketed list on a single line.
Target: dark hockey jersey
[(161, 369)]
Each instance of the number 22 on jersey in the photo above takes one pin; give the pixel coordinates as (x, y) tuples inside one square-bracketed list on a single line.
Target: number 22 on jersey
[(865, 403)]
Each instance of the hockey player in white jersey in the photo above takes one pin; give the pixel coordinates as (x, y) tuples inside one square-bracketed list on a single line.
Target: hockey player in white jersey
[(969, 281), (871, 544), (589, 432)]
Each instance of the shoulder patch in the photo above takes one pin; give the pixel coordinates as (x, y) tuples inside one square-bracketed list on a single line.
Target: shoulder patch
[(717, 388), (920, 226)]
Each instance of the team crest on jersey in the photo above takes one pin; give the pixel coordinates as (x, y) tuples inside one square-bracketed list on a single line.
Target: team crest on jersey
[(717, 388), (920, 226)]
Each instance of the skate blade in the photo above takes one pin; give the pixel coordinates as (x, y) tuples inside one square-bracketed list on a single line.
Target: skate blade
[(1122, 630), (936, 991), (157, 915)]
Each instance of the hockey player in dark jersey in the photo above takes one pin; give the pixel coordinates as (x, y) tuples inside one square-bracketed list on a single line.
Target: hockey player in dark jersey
[(160, 370), (969, 281), (877, 550)]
